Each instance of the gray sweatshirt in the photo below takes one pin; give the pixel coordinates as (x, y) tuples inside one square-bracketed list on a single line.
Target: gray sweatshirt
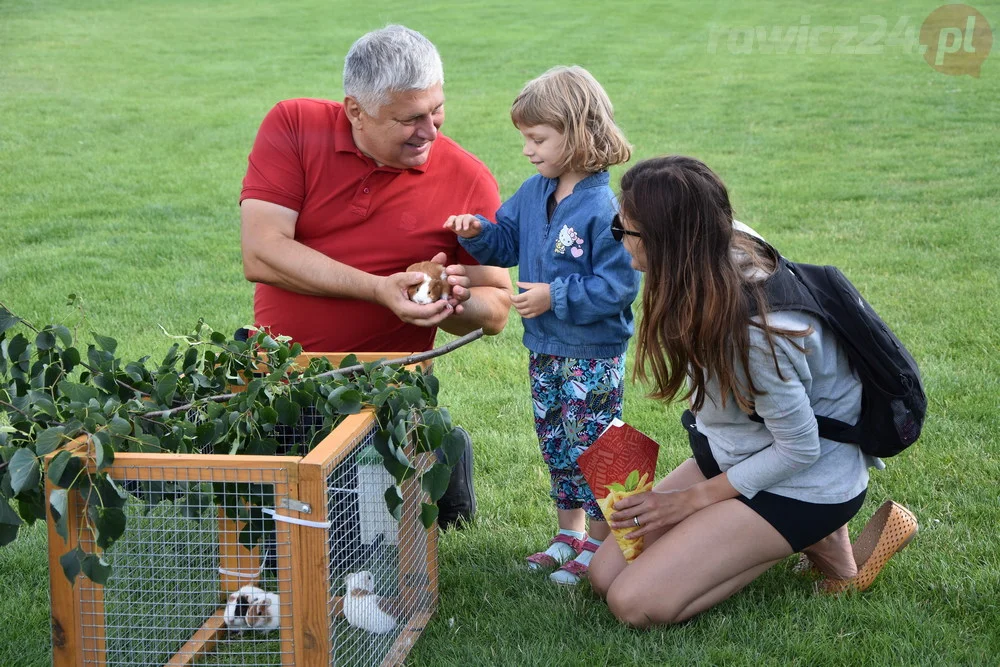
[(785, 454)]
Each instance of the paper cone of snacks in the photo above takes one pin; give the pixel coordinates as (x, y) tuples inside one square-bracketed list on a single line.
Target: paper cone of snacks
[(620, 463)]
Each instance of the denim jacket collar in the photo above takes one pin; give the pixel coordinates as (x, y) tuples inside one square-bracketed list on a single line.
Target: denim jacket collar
[(595, 180)]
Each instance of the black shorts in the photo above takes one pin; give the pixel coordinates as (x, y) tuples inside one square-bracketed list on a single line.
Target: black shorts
[(801, 524)]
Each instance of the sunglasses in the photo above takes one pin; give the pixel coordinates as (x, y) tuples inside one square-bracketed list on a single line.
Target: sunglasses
[(618, 232)]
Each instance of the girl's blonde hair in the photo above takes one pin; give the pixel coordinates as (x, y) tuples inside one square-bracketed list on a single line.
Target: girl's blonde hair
[(571, 100)]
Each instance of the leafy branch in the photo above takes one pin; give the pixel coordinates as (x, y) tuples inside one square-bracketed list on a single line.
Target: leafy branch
[(54, 391)]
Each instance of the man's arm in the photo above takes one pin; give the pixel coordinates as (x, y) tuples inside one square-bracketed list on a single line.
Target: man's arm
[(271, 255), (487, 302)]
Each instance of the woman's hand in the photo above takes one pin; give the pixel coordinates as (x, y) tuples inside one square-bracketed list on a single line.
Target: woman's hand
[(657, 511)]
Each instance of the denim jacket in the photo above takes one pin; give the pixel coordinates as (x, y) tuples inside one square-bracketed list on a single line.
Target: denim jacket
[(591, 279)]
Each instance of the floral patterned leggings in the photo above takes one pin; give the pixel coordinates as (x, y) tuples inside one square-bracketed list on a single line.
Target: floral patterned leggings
[(574, 401)]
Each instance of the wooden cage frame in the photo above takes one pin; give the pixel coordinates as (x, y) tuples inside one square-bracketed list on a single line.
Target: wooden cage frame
[(305, 554)]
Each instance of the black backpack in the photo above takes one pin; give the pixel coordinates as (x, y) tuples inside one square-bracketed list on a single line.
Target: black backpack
[(893, 403)]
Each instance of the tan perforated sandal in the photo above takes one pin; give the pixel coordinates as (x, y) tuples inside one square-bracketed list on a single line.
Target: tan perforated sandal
[(889, 530)]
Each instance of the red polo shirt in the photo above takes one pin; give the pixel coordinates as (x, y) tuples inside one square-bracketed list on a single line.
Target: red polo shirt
[(377, 219)]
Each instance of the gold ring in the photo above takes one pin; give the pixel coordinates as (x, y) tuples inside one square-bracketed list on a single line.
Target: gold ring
[(635, 520)]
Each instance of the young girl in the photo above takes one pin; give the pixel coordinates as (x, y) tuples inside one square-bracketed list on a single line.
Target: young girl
[(577, 287), (753, 493)]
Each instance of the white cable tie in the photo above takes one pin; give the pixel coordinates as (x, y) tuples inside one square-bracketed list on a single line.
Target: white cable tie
[(298, 522), (241, 575)]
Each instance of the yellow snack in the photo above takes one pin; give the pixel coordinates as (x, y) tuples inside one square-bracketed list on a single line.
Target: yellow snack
[(630, 548)]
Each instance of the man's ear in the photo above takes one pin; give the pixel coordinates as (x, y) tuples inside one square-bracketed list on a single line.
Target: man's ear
[(354, 112)]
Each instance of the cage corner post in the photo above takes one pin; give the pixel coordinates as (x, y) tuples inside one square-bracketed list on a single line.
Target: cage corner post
[(310, 568), (68, 604), (66, 650)]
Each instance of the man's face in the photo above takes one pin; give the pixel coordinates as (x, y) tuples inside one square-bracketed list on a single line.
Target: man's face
[(400, 134)]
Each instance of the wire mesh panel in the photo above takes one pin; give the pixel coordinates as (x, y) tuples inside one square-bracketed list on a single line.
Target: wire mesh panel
[(383, 577), (252, 560), (193, 578)]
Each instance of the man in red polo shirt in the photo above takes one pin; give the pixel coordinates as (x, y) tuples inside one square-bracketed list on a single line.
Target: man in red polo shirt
[(339, 199)]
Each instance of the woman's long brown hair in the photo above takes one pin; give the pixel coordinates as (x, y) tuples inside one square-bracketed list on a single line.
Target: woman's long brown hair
[(697, 293)]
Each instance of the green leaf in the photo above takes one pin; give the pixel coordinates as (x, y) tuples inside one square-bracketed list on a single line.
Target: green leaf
[(146, 443), (412, 395), (166, 387), (65, 337), (632, 481), (71, 562), (58, 503), (345, 400), (104, 453), (45, 340), (267, 415), (96, 569), (394, 502), (16, 348), (49, 440), (7, 319), (119, 426), (8, 516), (58, 467), (428, 514), (615, 486), (77, 393), (24, 472), (105, 343), (110, 525), (435, 481), (8, 533), (431, 430), (70, 358), (453, 445)]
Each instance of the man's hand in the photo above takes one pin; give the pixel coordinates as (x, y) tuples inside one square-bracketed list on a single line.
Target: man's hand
[(533, 302), (390, 292), (467, 226)]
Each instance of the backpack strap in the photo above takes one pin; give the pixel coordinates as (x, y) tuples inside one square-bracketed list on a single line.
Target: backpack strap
[(785, 290)]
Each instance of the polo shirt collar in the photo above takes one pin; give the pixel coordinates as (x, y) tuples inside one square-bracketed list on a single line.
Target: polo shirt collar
[(343, 142)]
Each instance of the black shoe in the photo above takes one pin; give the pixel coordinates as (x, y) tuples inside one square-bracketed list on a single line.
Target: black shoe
[(458, 504)]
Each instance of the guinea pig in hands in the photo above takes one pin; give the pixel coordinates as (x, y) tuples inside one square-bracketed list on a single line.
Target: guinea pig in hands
[(435, 286), (252, 608)]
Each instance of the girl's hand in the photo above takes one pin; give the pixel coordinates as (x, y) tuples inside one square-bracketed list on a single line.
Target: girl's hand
[(459, 281), (533, 302), (466, 225), (657, 511)]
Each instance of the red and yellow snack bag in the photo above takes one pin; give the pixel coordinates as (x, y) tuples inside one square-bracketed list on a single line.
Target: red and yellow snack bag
[(620, 463)]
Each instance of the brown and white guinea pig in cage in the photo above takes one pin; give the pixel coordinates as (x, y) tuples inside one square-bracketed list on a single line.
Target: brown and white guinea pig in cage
[(254, 609), (434, 287)]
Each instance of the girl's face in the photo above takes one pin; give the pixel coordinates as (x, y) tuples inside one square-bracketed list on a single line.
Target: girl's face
[(543, 146), (632, 243)]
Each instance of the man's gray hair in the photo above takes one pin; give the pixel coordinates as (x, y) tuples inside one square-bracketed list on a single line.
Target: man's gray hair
[(390, 60)]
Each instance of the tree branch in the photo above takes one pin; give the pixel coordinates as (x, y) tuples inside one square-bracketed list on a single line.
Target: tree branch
[(411, 359)]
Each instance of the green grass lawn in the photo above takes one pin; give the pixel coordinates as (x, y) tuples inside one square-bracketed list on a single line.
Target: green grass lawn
[(124, 130)]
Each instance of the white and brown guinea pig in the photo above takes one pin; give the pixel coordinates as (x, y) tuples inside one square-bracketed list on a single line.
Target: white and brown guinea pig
[(434, 287)]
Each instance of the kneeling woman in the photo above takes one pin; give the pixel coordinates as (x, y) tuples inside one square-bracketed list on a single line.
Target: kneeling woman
[(753, 493)]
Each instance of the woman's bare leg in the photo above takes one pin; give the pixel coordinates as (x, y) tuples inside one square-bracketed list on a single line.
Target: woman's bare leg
[(833, 555), (608, 562), (698, 563)]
